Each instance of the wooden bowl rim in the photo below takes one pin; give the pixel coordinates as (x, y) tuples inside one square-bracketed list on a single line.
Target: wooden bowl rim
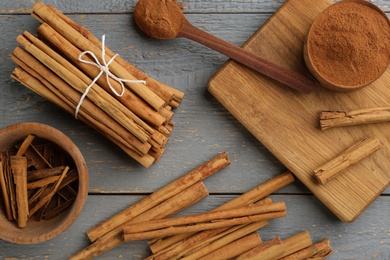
[(9, 231), (307, 53)]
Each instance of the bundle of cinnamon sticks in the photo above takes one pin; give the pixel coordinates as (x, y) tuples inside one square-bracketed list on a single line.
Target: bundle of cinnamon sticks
[(138, 119), (35, 181)]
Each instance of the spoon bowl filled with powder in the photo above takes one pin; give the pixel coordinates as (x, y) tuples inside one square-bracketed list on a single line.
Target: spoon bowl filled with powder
[(348, 45)]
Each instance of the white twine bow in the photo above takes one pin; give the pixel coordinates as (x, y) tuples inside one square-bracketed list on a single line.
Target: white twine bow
[(103, 69)]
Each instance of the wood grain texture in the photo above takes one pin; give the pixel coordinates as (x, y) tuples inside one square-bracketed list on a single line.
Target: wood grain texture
[(191, 6), (358, 240), (203, 128), (286, 122)]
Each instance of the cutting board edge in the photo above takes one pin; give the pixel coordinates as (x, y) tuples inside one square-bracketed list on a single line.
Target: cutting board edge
[(348, 218)]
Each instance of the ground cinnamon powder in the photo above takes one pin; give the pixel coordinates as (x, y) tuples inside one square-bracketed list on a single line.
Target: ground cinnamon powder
[(160, 19), (350, 44)]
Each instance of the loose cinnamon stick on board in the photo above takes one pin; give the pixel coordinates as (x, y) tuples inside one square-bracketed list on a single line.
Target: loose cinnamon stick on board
[(250, 197), (350, 156), (320, 250), (114, 238), (19, 170), (204, 221), (269, 250), (330, 119), (296, 243), (214, 165), (235, 248)]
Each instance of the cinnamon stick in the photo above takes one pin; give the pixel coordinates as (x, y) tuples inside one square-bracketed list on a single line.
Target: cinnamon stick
[(176, 203), (223, 239), (44, 173), (57, 210), (41, 203), (42, 182), (296, 243), (205, 221), (217, 163), (235, 248), (320, 250), (24, 146), (19, 170), (267, 251), (200, 227), (4, 193), (160, 248), (216, 238), (349, 157), (261, 191), (36, 158), (330, 119)]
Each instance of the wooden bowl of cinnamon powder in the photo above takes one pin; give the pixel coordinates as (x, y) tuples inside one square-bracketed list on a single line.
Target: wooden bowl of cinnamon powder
[(347, 46)]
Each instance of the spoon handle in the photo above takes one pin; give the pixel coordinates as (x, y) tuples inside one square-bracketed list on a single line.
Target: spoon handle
[(287, 77)]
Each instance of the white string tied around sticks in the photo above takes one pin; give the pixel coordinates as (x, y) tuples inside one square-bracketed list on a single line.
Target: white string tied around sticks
[(103, 69)]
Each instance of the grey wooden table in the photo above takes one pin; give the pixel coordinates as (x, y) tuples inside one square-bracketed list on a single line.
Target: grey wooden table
[(203, 129)]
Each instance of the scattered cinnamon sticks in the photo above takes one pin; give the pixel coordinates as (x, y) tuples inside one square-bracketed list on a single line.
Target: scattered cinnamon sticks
[(135, 116), (349, 157), (188, 245), (30, 190), (331, 119), (320, 250), (166, 201), (205, 221), (269, 250)]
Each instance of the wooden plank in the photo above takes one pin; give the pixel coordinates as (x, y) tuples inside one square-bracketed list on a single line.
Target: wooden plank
[(123, 6), (364, 239), (286, 122), (202, 124), (203, 128)]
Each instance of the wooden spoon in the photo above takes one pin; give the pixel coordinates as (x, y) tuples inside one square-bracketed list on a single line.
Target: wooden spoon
[(164, 19)]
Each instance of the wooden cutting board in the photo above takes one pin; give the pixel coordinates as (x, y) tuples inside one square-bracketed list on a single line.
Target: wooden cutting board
[(287, 122)]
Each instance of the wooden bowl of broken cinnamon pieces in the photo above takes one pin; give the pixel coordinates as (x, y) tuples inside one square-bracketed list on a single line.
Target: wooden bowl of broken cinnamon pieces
[(347, 46), (44, 183)]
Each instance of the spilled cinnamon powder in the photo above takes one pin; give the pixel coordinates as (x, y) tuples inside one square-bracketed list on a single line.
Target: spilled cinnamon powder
[(160, 19), (350, 44)]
